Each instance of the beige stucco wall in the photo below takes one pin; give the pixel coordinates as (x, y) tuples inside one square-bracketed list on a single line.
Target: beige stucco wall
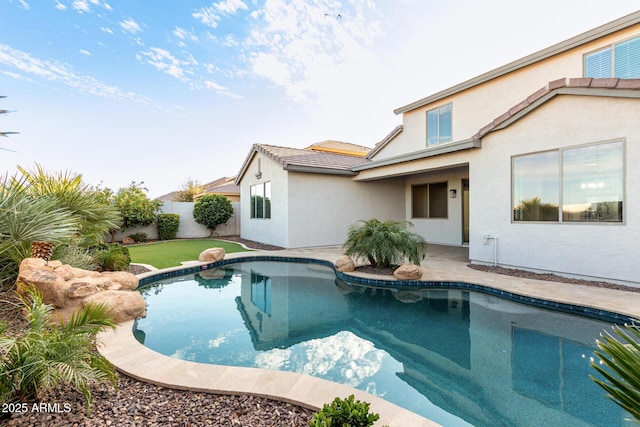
[(477, 107), (596, 250), (273, 231), (322, 207)]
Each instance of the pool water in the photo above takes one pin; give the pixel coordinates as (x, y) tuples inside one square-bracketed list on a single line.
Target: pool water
[(459, 358)]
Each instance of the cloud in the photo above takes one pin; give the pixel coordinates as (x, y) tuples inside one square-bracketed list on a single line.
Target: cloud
[(130, 26), (85, 52), (305, 48), (106, 30), (84, 6), (55, 71), (211, 15), (81, 6), (183, 34), (25, 5), (60, 6), (164, 61)]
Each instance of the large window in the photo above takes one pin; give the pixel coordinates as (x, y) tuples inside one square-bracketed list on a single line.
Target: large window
[(439, 125), (261, 200), (579, 184), (620, 60), (429, 200)]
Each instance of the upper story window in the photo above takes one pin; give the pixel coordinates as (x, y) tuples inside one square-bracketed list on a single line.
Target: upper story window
[(620, 60), (439, 125), (260, 200)]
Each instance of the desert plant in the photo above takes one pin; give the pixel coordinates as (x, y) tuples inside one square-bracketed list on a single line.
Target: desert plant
[(111, 257), (47, 355), (346, 412), (384, 244), (620, 358), (212, 210)]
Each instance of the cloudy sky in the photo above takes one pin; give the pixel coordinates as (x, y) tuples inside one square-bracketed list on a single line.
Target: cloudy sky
[(166, 91)]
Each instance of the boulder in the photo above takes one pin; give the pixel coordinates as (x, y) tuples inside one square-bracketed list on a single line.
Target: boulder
[(408, 272), (123, 305), (126, 280), (211, 255), (128, 241), (52, 287), (344, 263), (68, 288)]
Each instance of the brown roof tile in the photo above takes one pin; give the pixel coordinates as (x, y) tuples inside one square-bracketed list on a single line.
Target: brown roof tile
[(298, 157)]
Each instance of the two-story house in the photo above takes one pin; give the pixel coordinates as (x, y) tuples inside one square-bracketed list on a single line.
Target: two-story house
[(532, 165)]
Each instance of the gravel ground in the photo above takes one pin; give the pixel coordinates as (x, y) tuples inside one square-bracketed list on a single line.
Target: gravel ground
[(136, 403)]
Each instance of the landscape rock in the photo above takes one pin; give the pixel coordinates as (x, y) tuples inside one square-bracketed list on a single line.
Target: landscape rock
[(344, 263), (128, 241), (211, 255), (408, 272), (67, 288), (123, 305)]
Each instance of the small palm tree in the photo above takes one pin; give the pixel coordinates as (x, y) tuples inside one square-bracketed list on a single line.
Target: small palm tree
[(620, 367), (385, 244), (47, 354)]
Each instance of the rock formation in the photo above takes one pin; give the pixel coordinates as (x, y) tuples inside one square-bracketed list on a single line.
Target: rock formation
[(68, 288)]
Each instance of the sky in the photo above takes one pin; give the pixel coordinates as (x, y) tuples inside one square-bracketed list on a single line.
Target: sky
[(164, 92)]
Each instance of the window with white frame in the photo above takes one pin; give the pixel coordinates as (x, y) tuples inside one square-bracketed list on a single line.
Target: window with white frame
[(439, 125), (577, 184), (260, 200), (620, 60), (429, 200)]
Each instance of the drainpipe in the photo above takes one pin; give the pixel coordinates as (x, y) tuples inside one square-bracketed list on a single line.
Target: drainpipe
[(488, 237)]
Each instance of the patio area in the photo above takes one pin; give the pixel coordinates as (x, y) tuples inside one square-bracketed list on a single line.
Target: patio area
[(442, 263)]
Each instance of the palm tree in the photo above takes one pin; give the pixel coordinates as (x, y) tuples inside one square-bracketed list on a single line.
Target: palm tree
[(385, 243), (620, 367), (47, 355)]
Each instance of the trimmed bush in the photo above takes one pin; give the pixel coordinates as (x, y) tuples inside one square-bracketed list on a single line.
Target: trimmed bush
[(139, 237), (212, 210), (168, 226), (344, 412)]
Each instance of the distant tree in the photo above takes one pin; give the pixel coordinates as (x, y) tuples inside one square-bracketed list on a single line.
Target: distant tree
[(212, 210), (190, 188), (135, 207)]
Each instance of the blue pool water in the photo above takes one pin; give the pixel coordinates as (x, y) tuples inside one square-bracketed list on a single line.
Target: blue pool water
[(457, 357)]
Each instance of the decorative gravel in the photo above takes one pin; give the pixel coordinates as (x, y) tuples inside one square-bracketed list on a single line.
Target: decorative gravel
[(136, 403)]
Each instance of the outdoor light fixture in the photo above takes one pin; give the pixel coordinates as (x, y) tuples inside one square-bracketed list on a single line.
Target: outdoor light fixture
[(452, 193)]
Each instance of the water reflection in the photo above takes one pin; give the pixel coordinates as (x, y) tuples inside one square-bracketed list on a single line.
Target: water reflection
[(457, 357)]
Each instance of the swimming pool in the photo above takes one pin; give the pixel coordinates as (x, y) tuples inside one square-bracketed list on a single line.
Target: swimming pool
[(454, 356)]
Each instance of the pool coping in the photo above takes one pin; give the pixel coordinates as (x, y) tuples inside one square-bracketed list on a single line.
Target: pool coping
[(134, 359)]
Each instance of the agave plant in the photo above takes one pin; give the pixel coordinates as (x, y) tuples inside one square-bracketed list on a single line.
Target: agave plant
[(47, 355), (384, 243), (620, 367)]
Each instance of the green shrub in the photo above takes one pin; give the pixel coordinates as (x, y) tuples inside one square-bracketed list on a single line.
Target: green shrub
[(344, 413), (168, 226), (620, 357), (212, 210), (47, 354), (139, 237), (385, 244), (111, 257)]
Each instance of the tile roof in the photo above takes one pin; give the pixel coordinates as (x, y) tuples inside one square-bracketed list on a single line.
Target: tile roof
[(224, 185), (577, 86), (297, 158)]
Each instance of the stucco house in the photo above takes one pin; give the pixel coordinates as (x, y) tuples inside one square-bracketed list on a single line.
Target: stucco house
[(532, 165)]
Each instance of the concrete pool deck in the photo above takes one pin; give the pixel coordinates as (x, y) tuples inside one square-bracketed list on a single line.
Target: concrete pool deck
[(441, 264)]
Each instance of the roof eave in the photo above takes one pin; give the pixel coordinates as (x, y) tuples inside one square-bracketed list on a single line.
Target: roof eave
[(319, 170), (593, 34), (437, 150)]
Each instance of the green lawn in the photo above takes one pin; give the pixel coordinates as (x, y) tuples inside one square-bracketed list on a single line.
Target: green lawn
[(171, 253)]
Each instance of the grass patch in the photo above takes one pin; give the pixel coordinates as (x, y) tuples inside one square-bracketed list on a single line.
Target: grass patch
[(173, 252)]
